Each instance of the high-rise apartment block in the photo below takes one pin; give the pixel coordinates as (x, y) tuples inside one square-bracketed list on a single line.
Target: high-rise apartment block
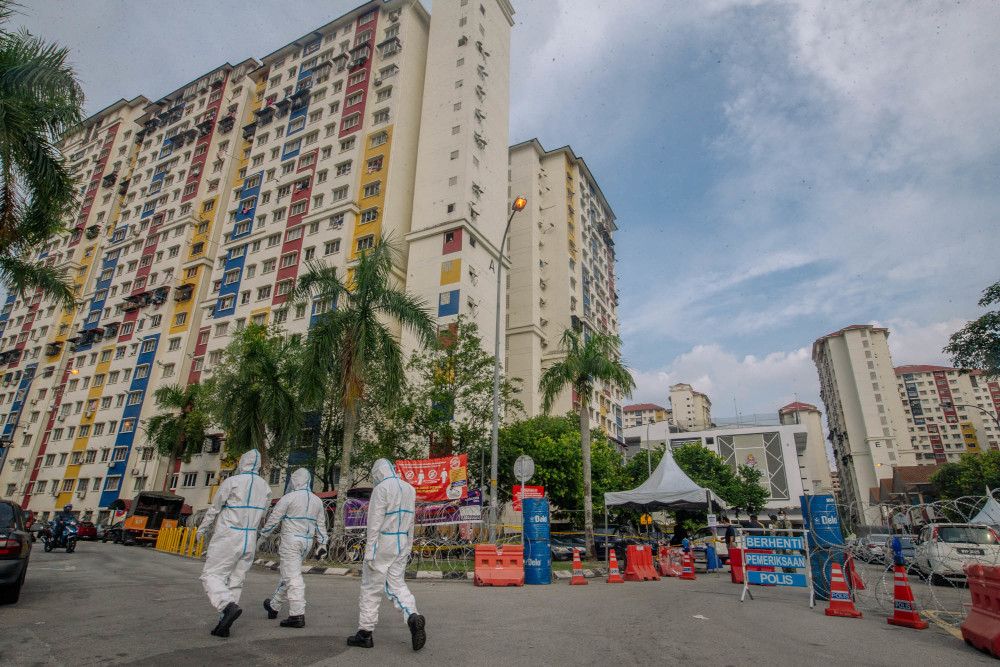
[(199, 210), (644, 413), (562, 273), (814, 466), (691, 410), (881, 417)]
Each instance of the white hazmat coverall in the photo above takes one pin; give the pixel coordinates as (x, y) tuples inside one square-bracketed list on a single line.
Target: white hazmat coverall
[(240, 505), (302, 520), (389, 540)]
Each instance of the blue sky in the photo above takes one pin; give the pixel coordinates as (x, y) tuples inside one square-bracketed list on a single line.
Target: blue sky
[(779, 170)]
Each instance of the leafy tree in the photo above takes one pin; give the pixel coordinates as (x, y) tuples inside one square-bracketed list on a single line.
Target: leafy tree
[(969, 476), (254, 392), (355, 330), (747, 494), (39, 100), (178, 430), (450, 407), (554, 445), (588, 361), (977, 344)]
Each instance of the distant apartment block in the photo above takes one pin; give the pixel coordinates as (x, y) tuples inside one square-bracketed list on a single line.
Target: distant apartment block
[(644, 413)]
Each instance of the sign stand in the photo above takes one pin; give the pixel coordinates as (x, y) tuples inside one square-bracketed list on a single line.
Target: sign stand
[(788, 539)]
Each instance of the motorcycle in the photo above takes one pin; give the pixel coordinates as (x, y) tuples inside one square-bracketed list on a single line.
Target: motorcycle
[(113, 534), (66, 539)]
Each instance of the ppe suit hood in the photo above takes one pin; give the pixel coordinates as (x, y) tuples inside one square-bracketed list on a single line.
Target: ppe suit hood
[(381, 470), (249, 462), (301, 479)]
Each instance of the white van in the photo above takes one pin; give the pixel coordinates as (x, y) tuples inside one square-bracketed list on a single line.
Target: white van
[(943, 548)]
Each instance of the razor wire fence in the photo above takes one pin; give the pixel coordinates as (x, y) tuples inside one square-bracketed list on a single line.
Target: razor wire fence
[(938, 539)]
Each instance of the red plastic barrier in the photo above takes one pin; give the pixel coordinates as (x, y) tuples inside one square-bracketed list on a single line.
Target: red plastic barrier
[(671, 561), (981, 628), (639, 564), (736, 565), (503, 568)]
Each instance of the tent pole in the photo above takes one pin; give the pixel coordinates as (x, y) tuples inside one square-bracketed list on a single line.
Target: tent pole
[(607, 537)]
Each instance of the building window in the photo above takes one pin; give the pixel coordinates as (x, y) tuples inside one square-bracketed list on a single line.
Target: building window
[(369, 215)]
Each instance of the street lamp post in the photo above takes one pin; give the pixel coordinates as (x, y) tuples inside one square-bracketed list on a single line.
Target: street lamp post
[(518, 205), (649, 456)]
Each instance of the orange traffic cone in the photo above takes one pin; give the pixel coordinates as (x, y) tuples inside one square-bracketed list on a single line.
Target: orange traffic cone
[(688, 571), (904, 613), (856, 581), (840, 597), (577, 579), (614, 574)]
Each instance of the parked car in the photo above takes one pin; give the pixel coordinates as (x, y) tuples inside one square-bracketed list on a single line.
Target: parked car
[(943, 548), (906, 542), (869, 548), (703, 537), (86, 530), (15, 549), (562, 548)]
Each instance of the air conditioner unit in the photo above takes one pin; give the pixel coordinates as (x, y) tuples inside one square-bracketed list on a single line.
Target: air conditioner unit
[(89, 413), (61, 418), (135, 471), (81, 493)]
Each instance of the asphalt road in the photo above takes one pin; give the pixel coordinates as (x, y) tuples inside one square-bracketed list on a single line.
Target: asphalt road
[(109, 604)]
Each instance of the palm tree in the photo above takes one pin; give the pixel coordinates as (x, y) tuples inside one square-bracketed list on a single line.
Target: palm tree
[(345, 339), (254, 390), (588, 362), (179, 431), (39, 100)]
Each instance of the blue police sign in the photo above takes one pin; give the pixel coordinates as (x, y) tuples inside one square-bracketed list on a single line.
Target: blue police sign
[(776, 579)]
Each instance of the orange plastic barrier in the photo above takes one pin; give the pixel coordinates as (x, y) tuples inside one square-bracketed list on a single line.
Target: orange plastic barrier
[(639, 565), (981, 627), (671, 561), (856, 582), (503, 568)]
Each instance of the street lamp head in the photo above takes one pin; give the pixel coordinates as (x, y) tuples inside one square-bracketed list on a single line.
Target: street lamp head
[(519, 204)]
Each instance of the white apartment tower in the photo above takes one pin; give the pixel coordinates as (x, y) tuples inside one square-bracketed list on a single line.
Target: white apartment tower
[(562, 273), (814, 466), (691, 410), (868, 428)]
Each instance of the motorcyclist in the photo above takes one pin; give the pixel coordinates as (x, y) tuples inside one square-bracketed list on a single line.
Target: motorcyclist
[(239, 504), (387, 548), (61, 520), (303, 519)]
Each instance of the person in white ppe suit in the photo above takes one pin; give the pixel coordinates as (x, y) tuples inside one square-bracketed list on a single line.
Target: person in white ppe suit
[(303, 519), (237, 512), (389, 540)]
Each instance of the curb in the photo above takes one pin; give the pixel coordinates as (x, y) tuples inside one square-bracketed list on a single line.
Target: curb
[(419, 574), (356, 572), (588, 574)]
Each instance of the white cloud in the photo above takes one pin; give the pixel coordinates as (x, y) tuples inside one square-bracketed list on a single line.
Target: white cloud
[(758, 384)]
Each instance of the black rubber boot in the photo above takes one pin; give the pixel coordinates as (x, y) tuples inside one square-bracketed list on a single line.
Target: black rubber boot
[(294, 622), (272, 613), (229, 615), (417, 635), (363, 639)]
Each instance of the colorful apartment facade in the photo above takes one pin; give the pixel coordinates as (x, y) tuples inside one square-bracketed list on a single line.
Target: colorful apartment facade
[(562, 274), (198, 212)]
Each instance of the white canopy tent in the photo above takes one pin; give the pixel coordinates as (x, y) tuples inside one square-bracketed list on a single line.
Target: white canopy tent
[(668, 488), (990, 514)]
